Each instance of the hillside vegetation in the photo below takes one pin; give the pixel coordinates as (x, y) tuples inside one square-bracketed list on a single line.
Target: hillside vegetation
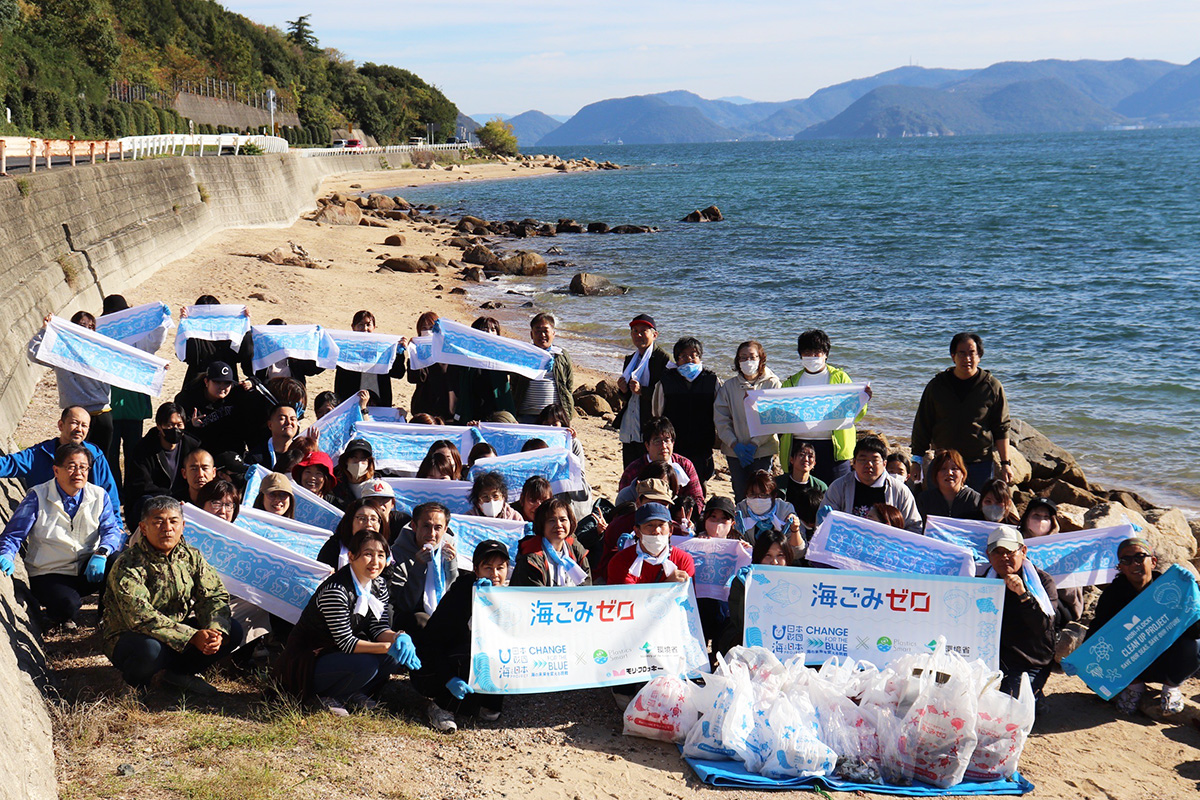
[(59, 58)]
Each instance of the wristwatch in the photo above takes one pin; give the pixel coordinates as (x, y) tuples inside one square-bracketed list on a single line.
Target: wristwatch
[(1006, 463), (102, 551)]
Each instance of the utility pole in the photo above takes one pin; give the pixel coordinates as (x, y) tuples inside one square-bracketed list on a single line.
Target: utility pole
[(271, 106)]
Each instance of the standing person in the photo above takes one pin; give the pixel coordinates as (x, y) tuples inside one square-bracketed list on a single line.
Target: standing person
[(432, 395), (642, 370), (210, 407), (347, 382), (129, 409), (1137, 568), (532, 396), (744, 453), (834, 451), (199, 353), (552, 556), (869, 483), (949, 496), (156, 466), (343, 649), (659, 438), (1030, 605), (165, 608), (686, 396), (426, 564), (964, 409), (483, 392), (78, 390), (69, 529)]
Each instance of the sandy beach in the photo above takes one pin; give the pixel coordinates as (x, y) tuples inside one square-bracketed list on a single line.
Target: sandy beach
[(545, 746)]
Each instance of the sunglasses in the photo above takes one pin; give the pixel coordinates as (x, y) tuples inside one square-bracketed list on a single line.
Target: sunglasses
[(1129, 561)]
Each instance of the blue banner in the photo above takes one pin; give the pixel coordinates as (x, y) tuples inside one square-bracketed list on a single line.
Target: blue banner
[(217, 323), (1079, 558), (303, 540), (560, 467), (849, 542), (143, 327), (337, 427), (506, 438), (470, 530), (76, 349), (412, 492), (464, 346), (402, 446), (274, 343), (805, 409), (365, 352), (1114, 656), (310, 509)]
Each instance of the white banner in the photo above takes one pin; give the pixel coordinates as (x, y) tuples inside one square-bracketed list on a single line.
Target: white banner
[(412, 492), (274, 343), (717, 562), (76, 349), (507, 438), (217, 323), (872, 616), (402, 446), (805, 409), (252, 568), (310, 509), (464, 346), (560, 467), (1080, 558), (969, 533), (301, 539), (528, 640), (143, 327), (849, 542), (470, 530), (420, 352), (365, 352), (336, 427)]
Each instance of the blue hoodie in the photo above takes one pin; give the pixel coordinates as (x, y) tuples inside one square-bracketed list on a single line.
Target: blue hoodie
[(35, 465)]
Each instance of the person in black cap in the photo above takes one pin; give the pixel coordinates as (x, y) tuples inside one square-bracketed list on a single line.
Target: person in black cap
[(354, 471), (209, 410), (200, 353), (444, 645), (641, 372), (1041, 519), (717, 522)]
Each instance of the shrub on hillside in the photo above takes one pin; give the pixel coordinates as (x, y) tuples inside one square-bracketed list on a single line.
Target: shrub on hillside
[(497, 136)]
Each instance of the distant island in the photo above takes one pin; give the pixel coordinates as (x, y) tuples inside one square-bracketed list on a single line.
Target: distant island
[(1009, 97)]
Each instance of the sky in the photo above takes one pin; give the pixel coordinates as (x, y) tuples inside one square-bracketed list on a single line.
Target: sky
[(512, 56)]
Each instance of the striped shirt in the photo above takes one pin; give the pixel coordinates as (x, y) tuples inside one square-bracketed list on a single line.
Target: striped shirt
[(336, 599)]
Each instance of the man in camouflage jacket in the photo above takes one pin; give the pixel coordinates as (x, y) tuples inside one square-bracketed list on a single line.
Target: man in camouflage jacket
[(165, 608)]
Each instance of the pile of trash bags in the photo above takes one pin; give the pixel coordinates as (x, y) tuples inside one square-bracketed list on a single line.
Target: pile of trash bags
[(931, 717)]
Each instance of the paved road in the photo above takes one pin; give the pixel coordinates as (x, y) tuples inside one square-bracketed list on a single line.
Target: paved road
[(20, 164)]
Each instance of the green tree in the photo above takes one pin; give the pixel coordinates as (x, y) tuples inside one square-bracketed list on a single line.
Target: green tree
[(10, 15), (300, 33), (497, 136)]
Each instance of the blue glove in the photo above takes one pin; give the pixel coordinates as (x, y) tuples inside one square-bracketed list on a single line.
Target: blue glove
[(6, 565), (744, 573), (624, 540), (481, 583), (459, 688), (745, 452), (822, 513), (404, 652), (94, 571)]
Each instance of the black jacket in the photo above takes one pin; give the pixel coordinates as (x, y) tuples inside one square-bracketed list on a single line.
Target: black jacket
[(199, 353), (1026, 633), (221, 427), (300, 369), (146, 474), (689, 406), (347, 383), (965, 505), (444, 645)]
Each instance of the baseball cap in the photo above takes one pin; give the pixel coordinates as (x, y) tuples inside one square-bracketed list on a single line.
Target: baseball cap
[(1043, 502), (219, 371), (1005, 537), (360, 444), (229, 461), (487, 550), (378, 488), (275, 482), (651, 512), (655, 489), (723, 504), (643, 319)]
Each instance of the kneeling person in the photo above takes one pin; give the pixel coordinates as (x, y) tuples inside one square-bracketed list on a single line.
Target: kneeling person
[(651, 559), (166, 609)]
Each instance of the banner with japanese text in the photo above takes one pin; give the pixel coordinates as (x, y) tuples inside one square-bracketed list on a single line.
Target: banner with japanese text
[(849, 542), (1127, 644), (557, 639), (871, 616)]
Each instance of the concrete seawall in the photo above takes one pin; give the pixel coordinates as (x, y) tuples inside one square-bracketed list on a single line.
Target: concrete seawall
[(69, 237)]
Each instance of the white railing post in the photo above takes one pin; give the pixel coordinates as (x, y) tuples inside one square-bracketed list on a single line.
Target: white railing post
[(3, 158), (33, 155)]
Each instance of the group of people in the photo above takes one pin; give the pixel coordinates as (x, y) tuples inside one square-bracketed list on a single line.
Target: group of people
[(397, 599)]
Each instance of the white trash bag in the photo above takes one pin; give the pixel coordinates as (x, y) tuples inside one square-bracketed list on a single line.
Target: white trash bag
[(662, 710), (705, 739), (937, 734), (1003, 726), (796, 751)]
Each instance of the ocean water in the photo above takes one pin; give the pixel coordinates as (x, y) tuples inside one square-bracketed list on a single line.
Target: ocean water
[(1076, 257)]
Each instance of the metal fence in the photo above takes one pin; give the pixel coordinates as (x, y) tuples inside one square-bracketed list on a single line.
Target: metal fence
[(182, 144), (312, 152), (209, 87)]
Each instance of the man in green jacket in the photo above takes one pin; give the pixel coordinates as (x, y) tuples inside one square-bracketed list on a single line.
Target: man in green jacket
[(834, 451), (165, 609)]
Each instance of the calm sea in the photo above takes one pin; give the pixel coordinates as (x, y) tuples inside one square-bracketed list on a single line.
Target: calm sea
[(1076, 257)]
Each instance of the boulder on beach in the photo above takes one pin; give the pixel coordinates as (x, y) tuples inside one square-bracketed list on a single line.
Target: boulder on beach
[(1022, 472), (409, 264), (607, 389), (631, 229), (590, 285), (461, 242), (473, 275), (1172, 542), (436, 261), (338, 214), (1046, 459), (481, 255), (400, 203), (395, 240), (380, 201), (522, 262), (597, 227)]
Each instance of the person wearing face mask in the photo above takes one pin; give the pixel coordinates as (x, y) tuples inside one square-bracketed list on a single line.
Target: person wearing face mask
[(770, 549), (1137, 568), (996, 503), (870, 483), (833, 452), (717, 521), (744, 453), (654, 486), (641, 373), (533, 395), (651, 559), (1041, 519), (283, 424), (378, 387), (355, 466), (489, 498), (552, 556), (949, 496), (762, 511), (315, 473), (425, 565), (686, 395), (156, 467)]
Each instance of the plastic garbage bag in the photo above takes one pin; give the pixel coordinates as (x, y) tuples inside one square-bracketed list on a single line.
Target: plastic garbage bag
[(795, 751), (846, 731), (1003, 726), (893, 767), (705, 739), (662, 710), (937, 736), (745, 729)]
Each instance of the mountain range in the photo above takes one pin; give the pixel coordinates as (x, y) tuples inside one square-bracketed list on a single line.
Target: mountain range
[(1008, 97)]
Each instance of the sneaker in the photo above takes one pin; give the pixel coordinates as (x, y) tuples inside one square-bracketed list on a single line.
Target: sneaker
[(333, 706), (361, 702), (1130, 698), (70, 626), (441, 719), (487, 715), (1171, 701), (189, 683)]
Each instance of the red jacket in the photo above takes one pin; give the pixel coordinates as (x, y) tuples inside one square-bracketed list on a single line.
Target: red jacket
[(618, 567), (693, 488), (612, 535)]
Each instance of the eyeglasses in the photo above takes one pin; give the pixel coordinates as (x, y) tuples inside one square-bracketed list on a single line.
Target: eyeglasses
[(1136, 558), (364, 518), (228, 505), (75, 469)]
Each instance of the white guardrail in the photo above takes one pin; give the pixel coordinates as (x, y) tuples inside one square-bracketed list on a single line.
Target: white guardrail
[(313, 152), (181, 144)]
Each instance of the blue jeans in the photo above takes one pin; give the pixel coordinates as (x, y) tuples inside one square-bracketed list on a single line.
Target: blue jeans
[(740, 476), (139, 657), (979, 473), (340, 675)]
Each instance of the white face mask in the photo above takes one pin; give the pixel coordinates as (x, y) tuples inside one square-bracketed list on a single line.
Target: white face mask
[(749, 367), (759, 505), (491, 508), (653, 545), (357, 470), (813, 363), (993, 513)]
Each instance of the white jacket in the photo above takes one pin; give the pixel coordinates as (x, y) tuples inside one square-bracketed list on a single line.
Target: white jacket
[(729, 414), (57, 544)]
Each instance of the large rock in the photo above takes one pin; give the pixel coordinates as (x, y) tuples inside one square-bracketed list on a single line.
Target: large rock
[(1022, 471), (1129, 499), (408, 264), (473, 275), (522, 262), (631, 229), (381, 202), (401, 203), (1071, 517), (481, 255), (1194, 523), (1172, 543), (593, 405), (607, 389), (1046, 459), (597, 227), (590, 285), (436, 261), (338, 214), (1063, 492), (710, 214), (395, 240), (568, 226), (1173, 525)]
